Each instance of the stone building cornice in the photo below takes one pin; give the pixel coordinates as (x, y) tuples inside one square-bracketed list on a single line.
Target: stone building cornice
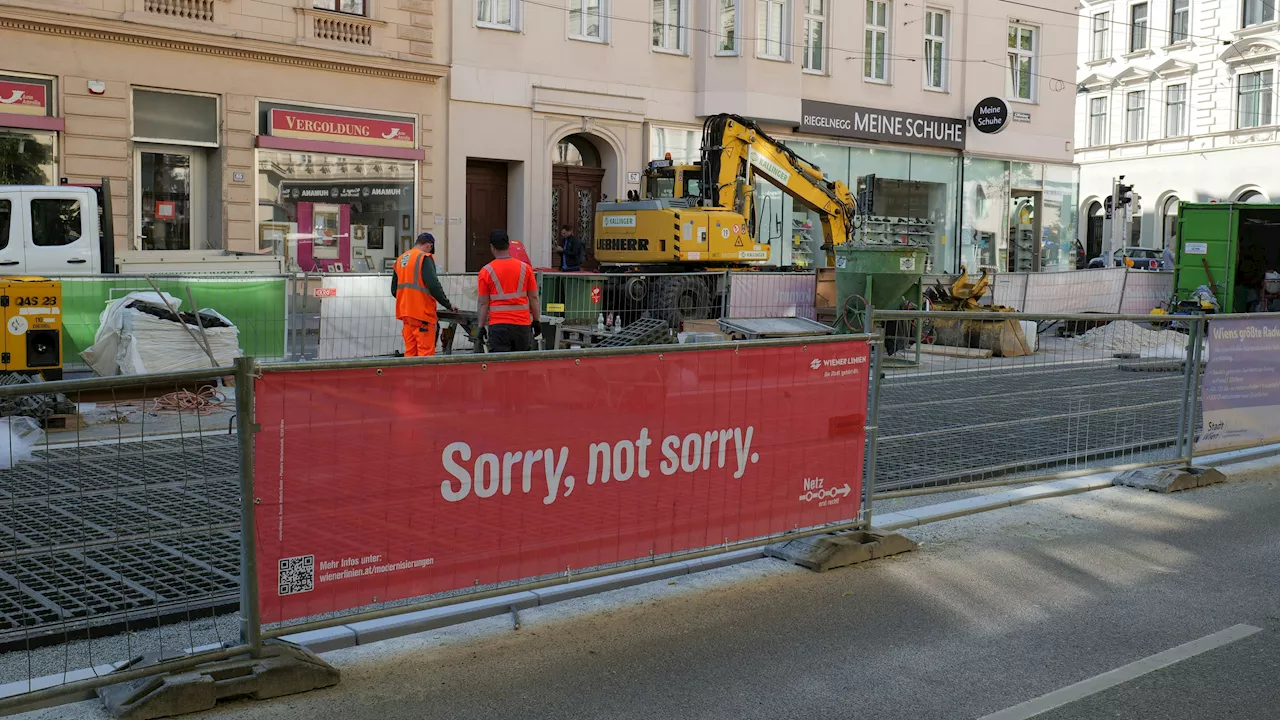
[(88, 27)]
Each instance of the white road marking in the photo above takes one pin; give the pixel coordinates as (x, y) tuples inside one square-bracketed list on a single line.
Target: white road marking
[(1121, 675)]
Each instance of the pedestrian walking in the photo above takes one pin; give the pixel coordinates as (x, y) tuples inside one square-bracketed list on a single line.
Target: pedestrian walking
[(508, 300), (417, 291), (572, 250)]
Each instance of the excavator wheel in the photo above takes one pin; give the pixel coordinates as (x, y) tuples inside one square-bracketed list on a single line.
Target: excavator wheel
[(683, 297)]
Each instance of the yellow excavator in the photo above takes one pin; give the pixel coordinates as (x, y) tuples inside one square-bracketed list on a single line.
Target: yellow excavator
[(703, 216)]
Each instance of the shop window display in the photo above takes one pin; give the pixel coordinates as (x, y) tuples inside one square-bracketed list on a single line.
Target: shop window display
[(985, 212), (1061, 185), (334, 212)]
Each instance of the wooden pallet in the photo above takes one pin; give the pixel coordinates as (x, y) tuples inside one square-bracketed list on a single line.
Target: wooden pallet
[(63, 423)]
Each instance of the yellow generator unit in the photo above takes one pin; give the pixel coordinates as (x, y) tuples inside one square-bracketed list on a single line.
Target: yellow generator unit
[(33, 326), (644, 232)]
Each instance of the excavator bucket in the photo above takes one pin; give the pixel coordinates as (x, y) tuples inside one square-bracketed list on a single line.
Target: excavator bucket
[(963, 289), (1002, 336)]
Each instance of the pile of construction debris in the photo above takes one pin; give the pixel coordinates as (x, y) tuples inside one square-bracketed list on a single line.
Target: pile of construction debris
[(38, 406), (146, 332), (1122, 337)]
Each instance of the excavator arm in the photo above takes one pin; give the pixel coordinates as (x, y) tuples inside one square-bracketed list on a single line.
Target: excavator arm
[(735, 151)]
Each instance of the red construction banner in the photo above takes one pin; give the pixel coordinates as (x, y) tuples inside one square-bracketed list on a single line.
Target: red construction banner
[(383, 484)]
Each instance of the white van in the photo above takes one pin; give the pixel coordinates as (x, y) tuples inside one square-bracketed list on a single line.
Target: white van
[(67, 230)]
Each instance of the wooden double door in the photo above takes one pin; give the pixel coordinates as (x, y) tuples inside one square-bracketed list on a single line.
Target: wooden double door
[(575, 190)]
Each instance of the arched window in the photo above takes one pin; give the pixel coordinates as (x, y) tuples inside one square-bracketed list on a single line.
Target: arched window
[(1169, 220)]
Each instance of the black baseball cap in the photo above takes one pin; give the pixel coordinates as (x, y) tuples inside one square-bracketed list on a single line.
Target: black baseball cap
[(426, 237)]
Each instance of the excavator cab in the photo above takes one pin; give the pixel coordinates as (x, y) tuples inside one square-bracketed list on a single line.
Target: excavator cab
[(666, 181)]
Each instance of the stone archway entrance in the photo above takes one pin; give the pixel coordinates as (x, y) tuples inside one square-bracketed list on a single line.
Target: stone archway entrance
[(576, 178)]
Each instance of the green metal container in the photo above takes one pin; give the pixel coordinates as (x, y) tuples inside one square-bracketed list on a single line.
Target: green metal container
[(1225, 246), (578, 298), (885, 277)]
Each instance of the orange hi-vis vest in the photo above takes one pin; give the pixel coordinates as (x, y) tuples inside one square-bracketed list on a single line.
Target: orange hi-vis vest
[(413, 299), (509, 301)]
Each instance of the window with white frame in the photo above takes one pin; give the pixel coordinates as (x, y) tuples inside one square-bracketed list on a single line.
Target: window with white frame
[(1179, 20), (771, 21), (347, 7), (1100, 44), (1097, 121), (726, 23), (1022, 62), (497, 13), (586, 19), (1254, 103), (1175, 110), (1135, 116), (935, 48), (815, 35), (1138, 27), (875, 48), (1258, 12), (668, 25)]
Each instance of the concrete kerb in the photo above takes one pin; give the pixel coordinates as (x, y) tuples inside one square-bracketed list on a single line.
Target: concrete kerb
[(346, 636)]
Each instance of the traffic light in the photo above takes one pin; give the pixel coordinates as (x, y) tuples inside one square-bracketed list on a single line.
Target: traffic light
[(1125, 193)]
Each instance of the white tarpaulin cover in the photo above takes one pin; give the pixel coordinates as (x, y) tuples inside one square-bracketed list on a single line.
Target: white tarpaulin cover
[(131, 342)]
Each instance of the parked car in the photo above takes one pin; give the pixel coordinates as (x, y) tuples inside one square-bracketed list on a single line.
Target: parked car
[(1143, 258)]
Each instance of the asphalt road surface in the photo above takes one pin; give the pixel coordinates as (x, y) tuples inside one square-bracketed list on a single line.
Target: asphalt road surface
[(993, 611)]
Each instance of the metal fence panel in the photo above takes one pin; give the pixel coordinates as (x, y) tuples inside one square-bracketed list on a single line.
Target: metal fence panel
[(339, 316), (1145, 291), (256, 304), (1095, 393), (655, 306), (767, 295), (653, 416), (1074, 291), (120, 529)]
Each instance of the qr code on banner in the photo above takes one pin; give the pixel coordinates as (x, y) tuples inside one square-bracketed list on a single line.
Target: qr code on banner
[(297, 574)]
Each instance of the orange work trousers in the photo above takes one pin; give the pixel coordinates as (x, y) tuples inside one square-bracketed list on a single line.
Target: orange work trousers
[(419, 337)]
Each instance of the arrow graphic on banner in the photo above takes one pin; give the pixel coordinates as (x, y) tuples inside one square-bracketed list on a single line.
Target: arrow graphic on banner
[(826, 494)]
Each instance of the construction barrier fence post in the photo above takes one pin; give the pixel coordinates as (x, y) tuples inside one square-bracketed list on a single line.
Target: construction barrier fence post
[(872, 428), (1199, 334), (246, 426)]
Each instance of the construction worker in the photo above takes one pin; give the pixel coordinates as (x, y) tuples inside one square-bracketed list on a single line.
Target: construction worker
[(508, 300), (417, 292)]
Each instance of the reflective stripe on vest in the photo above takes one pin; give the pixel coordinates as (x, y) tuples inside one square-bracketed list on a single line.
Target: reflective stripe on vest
[(420, 258), (505, 297)]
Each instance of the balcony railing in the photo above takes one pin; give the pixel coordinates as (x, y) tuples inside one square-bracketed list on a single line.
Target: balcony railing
[(345, 29), (199, 10)]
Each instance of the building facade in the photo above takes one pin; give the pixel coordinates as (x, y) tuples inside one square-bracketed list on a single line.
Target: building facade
[(555, 106), (302, 128), (1177, 96)]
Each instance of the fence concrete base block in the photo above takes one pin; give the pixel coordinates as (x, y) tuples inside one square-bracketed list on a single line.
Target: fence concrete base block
[(826, 552), (283, 669), (1167, 480)]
